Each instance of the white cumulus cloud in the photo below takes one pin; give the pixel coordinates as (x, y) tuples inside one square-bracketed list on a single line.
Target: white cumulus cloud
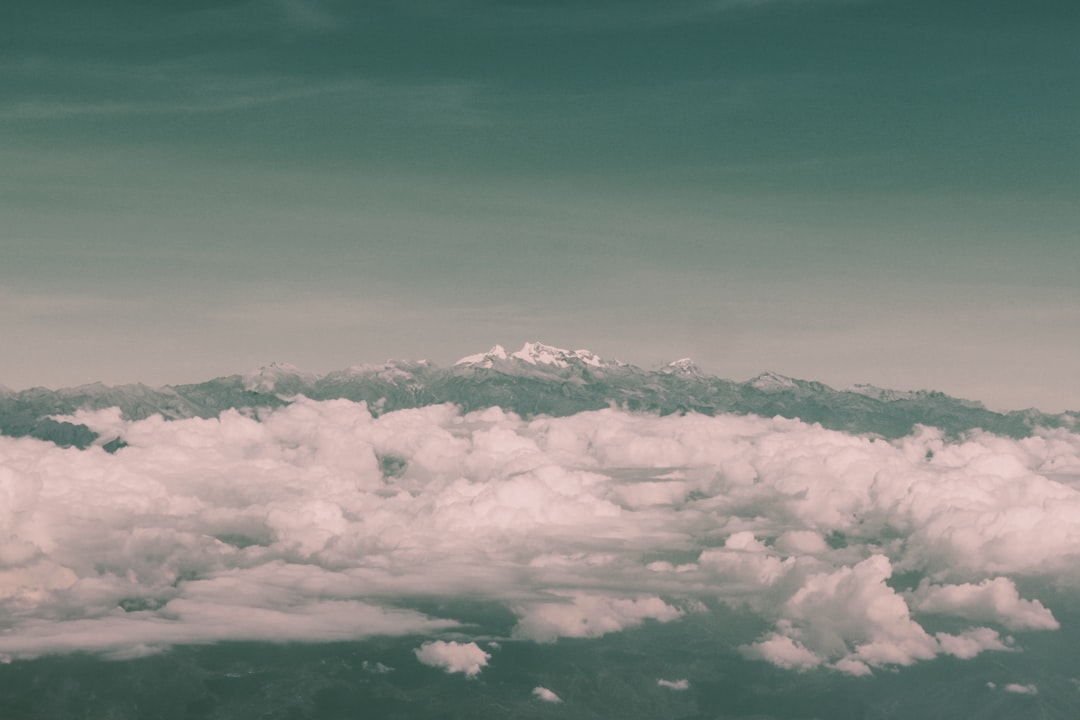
[(851, 618), (453, 657), (992, 600), (590, 616), (546, 695), (970, 643)]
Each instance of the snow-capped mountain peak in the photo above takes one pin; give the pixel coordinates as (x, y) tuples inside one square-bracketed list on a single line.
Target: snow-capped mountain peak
[(682, 366), (486, 359), (268, 377), (536, 353), (536, 380)]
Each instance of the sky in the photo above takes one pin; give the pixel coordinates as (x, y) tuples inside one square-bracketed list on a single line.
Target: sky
[(840, 190)]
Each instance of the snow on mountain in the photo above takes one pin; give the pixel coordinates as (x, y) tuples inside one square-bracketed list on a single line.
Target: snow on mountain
[(271, 377), (535, 353), (769, 381), (682, 366), (537, 379), (486, 359), (883, 394), (390, 371)]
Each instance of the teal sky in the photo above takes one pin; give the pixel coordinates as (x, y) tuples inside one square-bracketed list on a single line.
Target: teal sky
[(850, 191)]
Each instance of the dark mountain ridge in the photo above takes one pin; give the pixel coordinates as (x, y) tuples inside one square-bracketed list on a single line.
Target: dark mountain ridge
[(536, 380)]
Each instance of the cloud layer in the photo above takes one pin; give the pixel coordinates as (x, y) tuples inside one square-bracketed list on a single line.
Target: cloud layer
[(319, 522)]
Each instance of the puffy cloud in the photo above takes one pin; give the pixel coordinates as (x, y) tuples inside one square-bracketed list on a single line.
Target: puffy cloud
[(992, 600), (320, 521), (1022, 689), (746, 562), (971, 642), (852, 618), (852, 613), (546, 695), (683, 684), (986, 509), (780, 649), (453, 657), (589, 616)]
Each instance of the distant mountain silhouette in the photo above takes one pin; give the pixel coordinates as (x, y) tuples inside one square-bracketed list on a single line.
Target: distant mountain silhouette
[(537, 380)]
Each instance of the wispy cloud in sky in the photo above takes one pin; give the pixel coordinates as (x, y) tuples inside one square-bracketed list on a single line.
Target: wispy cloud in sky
[(844, 191), (215, 84)]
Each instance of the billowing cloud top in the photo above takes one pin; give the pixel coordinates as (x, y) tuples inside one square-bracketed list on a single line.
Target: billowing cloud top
[(453, 657), (319, 521)]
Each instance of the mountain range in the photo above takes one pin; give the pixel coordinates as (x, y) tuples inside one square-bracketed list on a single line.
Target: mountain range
[(538, 379)]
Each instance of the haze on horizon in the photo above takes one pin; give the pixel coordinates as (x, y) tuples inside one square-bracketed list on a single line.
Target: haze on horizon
[(868, 191)]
